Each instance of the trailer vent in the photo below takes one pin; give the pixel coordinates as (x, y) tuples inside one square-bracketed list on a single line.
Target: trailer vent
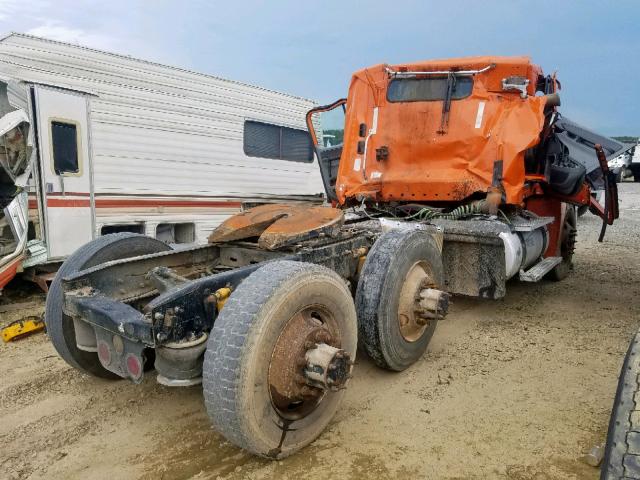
[(176, 232)]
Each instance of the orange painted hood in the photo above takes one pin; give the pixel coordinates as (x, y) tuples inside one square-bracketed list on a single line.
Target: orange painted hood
[(487, 126)]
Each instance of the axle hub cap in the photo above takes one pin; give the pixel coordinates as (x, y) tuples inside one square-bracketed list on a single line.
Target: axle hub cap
[(306, 362)]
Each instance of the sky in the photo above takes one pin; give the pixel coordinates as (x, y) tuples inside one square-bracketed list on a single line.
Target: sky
[(310, 49)]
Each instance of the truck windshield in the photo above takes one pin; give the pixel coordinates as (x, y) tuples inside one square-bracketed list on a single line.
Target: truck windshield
[(427, 89)]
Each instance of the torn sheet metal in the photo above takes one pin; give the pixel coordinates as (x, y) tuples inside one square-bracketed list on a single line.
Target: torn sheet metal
[(581, 141), (424, 163)]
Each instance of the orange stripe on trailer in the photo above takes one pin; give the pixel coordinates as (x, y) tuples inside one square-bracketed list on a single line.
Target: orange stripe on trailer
[(127, 203), (110, 203), (67, 203)]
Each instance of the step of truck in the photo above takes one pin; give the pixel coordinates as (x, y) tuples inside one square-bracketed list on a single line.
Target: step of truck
[(540, 269)]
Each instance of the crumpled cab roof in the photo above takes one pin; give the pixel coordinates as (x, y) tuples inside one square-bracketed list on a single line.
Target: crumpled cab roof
[(411, 154)]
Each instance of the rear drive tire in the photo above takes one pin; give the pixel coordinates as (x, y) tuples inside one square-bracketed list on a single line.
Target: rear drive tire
[(395, 259), (59, 326), (567, 245), (246, 340), (622, 451)]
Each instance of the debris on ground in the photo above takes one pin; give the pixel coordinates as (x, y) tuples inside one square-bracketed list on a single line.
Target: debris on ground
[(595, 456), (22, 328)]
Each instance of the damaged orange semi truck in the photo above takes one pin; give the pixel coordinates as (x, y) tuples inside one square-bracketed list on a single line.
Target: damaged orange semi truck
[(452, 177)]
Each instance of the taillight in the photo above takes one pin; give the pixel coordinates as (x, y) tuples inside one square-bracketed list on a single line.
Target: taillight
[(134, 366), (104, 353)]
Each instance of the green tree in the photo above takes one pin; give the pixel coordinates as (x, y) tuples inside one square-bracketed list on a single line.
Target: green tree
[(337, 136), (626, 139)]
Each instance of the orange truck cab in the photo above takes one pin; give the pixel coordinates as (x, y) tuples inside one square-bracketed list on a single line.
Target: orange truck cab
[(447, 132)]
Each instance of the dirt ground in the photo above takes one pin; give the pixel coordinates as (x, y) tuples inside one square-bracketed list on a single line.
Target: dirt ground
[(518, 389)]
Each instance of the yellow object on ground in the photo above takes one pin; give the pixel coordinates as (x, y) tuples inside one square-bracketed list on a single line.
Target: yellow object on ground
[(222, 294), (22, 328)]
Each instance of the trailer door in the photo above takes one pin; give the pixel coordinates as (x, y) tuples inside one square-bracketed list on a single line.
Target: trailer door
[(65, 169)]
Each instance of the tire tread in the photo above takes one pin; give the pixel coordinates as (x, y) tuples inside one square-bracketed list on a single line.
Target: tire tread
[(622, 451), (373, 282), (228, 344)]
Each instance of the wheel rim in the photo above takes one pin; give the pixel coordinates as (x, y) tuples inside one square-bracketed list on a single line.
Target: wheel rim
[(412, 326), (291, 396)]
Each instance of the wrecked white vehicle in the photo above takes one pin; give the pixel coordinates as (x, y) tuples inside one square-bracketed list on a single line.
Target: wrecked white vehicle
[(16, 152)]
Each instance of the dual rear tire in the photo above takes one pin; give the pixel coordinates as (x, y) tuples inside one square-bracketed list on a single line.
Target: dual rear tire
[(245, 342), (238, 376), (253, 383), (60, 327)]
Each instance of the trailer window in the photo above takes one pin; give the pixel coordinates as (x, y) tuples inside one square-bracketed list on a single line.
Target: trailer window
[(427, 89), (64, 140), (265, 140)]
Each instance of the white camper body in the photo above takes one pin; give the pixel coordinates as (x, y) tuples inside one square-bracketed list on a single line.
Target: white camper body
[(110, 143)]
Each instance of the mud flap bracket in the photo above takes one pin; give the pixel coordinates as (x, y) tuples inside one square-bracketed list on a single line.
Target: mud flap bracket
[(121, 333)]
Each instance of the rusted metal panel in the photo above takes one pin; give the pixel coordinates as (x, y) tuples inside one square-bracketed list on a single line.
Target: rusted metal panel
[(474, 266), (278, 225)]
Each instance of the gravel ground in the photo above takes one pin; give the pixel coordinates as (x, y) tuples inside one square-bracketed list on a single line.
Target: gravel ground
[(519, 388)]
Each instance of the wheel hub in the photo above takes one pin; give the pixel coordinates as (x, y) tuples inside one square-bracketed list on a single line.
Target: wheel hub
[(306, 362), (419, 302), (411, 325), (327, 367)]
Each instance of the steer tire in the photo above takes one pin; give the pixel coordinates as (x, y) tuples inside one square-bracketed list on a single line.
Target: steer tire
[(582, 209), (622, 451), (59, 326), (378, 296), (567, 245), (237, 363)]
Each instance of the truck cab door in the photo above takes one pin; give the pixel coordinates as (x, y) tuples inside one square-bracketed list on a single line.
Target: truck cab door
[(326, 128), (65, 169)]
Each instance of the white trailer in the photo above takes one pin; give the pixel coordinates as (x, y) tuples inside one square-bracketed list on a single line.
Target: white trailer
[(92, 143)]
